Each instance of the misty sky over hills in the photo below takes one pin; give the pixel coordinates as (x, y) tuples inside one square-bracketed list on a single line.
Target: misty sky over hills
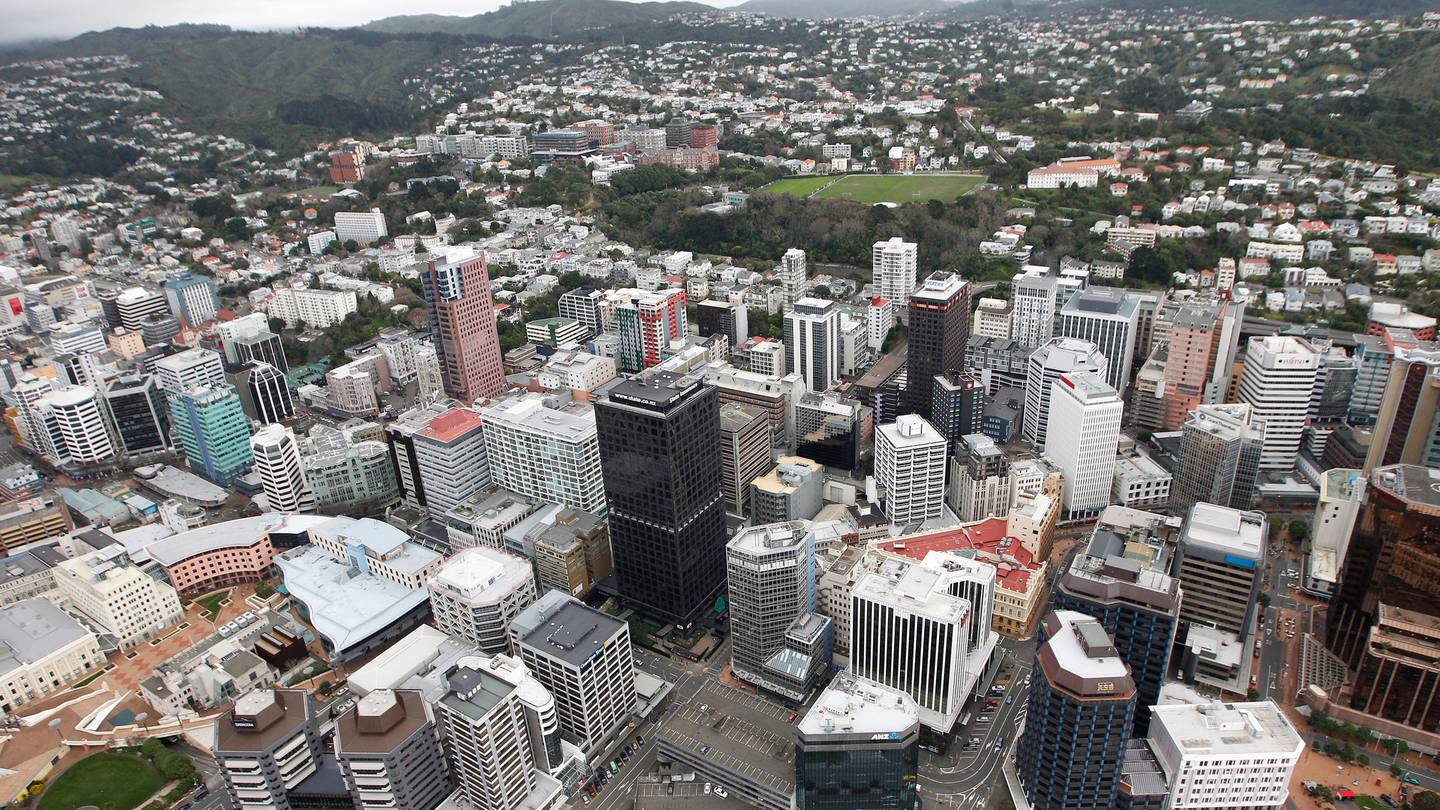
[(58, 19)]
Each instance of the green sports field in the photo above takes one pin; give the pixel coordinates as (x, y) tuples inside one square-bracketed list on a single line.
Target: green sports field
[(872, 189)]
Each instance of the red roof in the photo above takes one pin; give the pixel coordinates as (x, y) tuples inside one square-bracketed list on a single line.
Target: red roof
[(451, 425), (1013, 562)]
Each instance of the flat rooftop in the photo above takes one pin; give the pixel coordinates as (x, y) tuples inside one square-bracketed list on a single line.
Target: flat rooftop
[(474, 573), (1226, 728), (737, 732), (1411, 483), (562, 627), (855, 705), (33, 629), (347, 608), (1229, 531)]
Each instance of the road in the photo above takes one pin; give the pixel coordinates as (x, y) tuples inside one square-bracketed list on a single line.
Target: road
[(965, 779), (1279, 653), (687, 677)]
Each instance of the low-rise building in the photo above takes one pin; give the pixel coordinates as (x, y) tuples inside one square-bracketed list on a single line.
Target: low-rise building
[(42, 649)]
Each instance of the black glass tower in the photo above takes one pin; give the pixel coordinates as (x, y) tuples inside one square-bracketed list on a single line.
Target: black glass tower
[(659, 453)]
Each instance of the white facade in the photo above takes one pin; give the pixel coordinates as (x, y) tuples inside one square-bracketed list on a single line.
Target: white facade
[(576, 371), (282, 476), (1109, 318), (910, 469), (1059, 356), (185, 370), (362, 226), (924, 629), (1032, 313), (813, 342), (1225, 755), (893, 264), (792, 272), (43, 649), (879, 320), (477, 592), (450, 452), (320, 309), (1278, 379), (80, 425), (1084, 432), (992, 319), (117, 596), (544, 452)]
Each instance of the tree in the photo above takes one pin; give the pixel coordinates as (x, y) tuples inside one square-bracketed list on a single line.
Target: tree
[(351, 246), (1425, 800), (277, 325), (1299, 530)]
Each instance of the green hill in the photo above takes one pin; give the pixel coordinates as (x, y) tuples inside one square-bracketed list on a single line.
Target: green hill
[(280, 90), (543, 20)]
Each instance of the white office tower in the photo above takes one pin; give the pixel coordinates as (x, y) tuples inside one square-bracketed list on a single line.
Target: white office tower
[(812, 342), (1225, 755), (1109, 318), (36, 426), (910, 469), (477, 592), (282, 475), (1061, 355), (1342, 494), (76, 418), (1032, 313), (770, 573), (893, 264), (501, 734), (1278, 378), (546, 452), (185, 370), (792, 272), (925, 629), (583, 657), (1084, 432)]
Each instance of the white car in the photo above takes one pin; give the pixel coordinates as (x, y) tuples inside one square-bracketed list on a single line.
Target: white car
[(719, 791)]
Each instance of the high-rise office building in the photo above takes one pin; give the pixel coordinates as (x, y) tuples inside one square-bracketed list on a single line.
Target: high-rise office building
[(792, 272), (659, 438), (1194, 348), (462, 325), (910, 469), (1220, 448), (958, 407), (827, 430), (1109, 318), (451, 460), (189, 368), (1083, 435), (1222, 566), (476, 593), (647, 326), (136, 305), (771, 583), (501, 733), (591, 307), (389, 752), (1407, 428), (583, 657), (744, 452), (893, 264), (282, 476), (858, 748), (266, 746), (1078, 719), (138, 411), (1385, 606), (812, 342), (1219, 756), (792, 490), (939, 329), (545, 452), (1276, 383), (1126, 578), (727, 318), (1059, 356), (264, 392), (924, 628), (79, 422), (980, 483), (1032, 313), (192, 299), (210, 427)]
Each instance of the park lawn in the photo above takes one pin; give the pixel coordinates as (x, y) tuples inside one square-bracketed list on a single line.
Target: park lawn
[(108, 780), (872, 189), (1367, 803), (797, 186), (211, 604)]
